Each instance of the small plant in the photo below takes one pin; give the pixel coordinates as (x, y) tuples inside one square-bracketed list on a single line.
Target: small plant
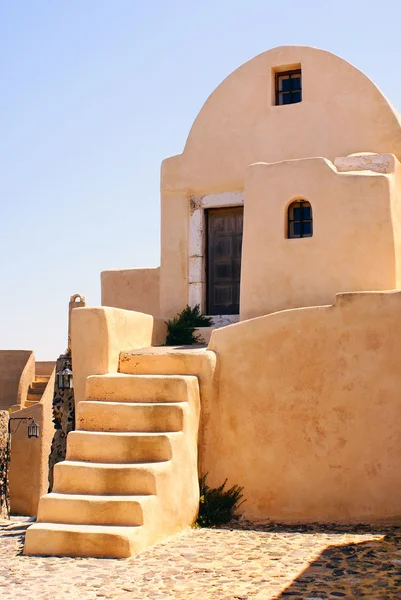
[(181, 329), (217, 506)]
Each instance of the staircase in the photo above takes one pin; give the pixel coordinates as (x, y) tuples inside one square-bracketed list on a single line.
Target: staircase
[(130, 478), (36, 389)]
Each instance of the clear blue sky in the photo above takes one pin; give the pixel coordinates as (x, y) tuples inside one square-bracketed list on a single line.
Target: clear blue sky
[(94, 94)]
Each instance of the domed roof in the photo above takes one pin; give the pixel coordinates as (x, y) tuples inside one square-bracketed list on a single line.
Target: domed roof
[(341, 112)]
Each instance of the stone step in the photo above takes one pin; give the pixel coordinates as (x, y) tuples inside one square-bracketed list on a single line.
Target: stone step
[(40, 386), (33, 396), (42, 378), (166, 361), (106, 447), (60, 539), (119, 387), (95, 415), (75, 477), (94, 510), (32, 402)]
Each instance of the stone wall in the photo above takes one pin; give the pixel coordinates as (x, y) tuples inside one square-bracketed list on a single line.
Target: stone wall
[(63, 418), (4, 458)]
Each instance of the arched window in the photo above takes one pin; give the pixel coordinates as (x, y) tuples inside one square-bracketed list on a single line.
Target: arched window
[(300, 221)]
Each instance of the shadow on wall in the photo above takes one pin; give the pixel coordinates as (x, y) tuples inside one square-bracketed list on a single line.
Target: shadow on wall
[(369, 569)]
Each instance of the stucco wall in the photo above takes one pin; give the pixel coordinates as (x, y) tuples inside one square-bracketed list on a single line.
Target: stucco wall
[(29, 465), (307, 410), (395, 187), (17, 370), (352, 247), (342, 112), (44, 367), (99, 334), (174, 281), (132, 289)]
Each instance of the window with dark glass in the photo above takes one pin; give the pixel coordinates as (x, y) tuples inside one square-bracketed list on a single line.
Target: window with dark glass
[(300, 221), (289, 87)]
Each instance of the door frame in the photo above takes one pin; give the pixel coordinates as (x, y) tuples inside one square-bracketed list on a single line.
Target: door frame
[(197, 247)]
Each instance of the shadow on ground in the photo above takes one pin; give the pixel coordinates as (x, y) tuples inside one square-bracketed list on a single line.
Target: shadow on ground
[(366, 570), (15, 530), (370, 569)]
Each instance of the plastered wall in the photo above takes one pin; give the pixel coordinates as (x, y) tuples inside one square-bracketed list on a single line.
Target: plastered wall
[(342, 112), (353, 245), (307, 409), (17, 370), (132, 289), (99, 334), (29, 465)]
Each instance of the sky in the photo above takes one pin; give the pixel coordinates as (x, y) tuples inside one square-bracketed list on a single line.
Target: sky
[(94, 95)]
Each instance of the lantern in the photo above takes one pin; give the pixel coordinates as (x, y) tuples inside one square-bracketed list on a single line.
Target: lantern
[(64, 379), (33, 429)]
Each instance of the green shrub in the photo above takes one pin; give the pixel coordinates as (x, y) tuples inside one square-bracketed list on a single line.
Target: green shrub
[(217, 506), (181, 329)]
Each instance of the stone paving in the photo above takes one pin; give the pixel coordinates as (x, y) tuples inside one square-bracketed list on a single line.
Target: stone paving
[(237, 563)]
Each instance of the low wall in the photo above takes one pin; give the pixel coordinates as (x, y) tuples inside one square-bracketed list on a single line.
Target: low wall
[(132, 289), (98, 335), (307, 410), (29, 465), (44, 367), (17, 370)]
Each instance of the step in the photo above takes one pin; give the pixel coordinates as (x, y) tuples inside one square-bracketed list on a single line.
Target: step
[(76, 477), (40, 386), (94, 415), (34, 397), (118, 387), (119, 447), (31, 402), (94, 510), (100, 541), (42, 378), (167, 361)]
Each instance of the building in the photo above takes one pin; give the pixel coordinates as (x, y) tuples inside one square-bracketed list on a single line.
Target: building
[(282, 213), (254, 154)]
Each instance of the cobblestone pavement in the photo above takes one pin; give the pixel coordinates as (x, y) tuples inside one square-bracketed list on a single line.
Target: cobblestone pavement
[(245, 562)]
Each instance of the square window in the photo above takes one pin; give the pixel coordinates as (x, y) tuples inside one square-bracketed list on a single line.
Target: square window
[(289, 87), (296, 84), (285, 84), (296, 97)]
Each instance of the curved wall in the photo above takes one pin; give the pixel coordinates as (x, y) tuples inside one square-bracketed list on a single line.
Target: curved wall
[(341, 112), (307, 410), (17, 370)]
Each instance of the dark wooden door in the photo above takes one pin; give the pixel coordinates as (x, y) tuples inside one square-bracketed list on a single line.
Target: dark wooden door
[(223, 273)]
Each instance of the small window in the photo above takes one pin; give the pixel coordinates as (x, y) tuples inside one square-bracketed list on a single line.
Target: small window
[(300, 221), (288, 87)]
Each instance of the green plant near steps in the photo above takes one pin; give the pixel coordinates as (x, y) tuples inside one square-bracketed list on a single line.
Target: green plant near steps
[(181, 329), (218, 506)]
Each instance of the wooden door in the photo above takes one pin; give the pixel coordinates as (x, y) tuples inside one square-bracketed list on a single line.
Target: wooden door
[(223, 272)]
